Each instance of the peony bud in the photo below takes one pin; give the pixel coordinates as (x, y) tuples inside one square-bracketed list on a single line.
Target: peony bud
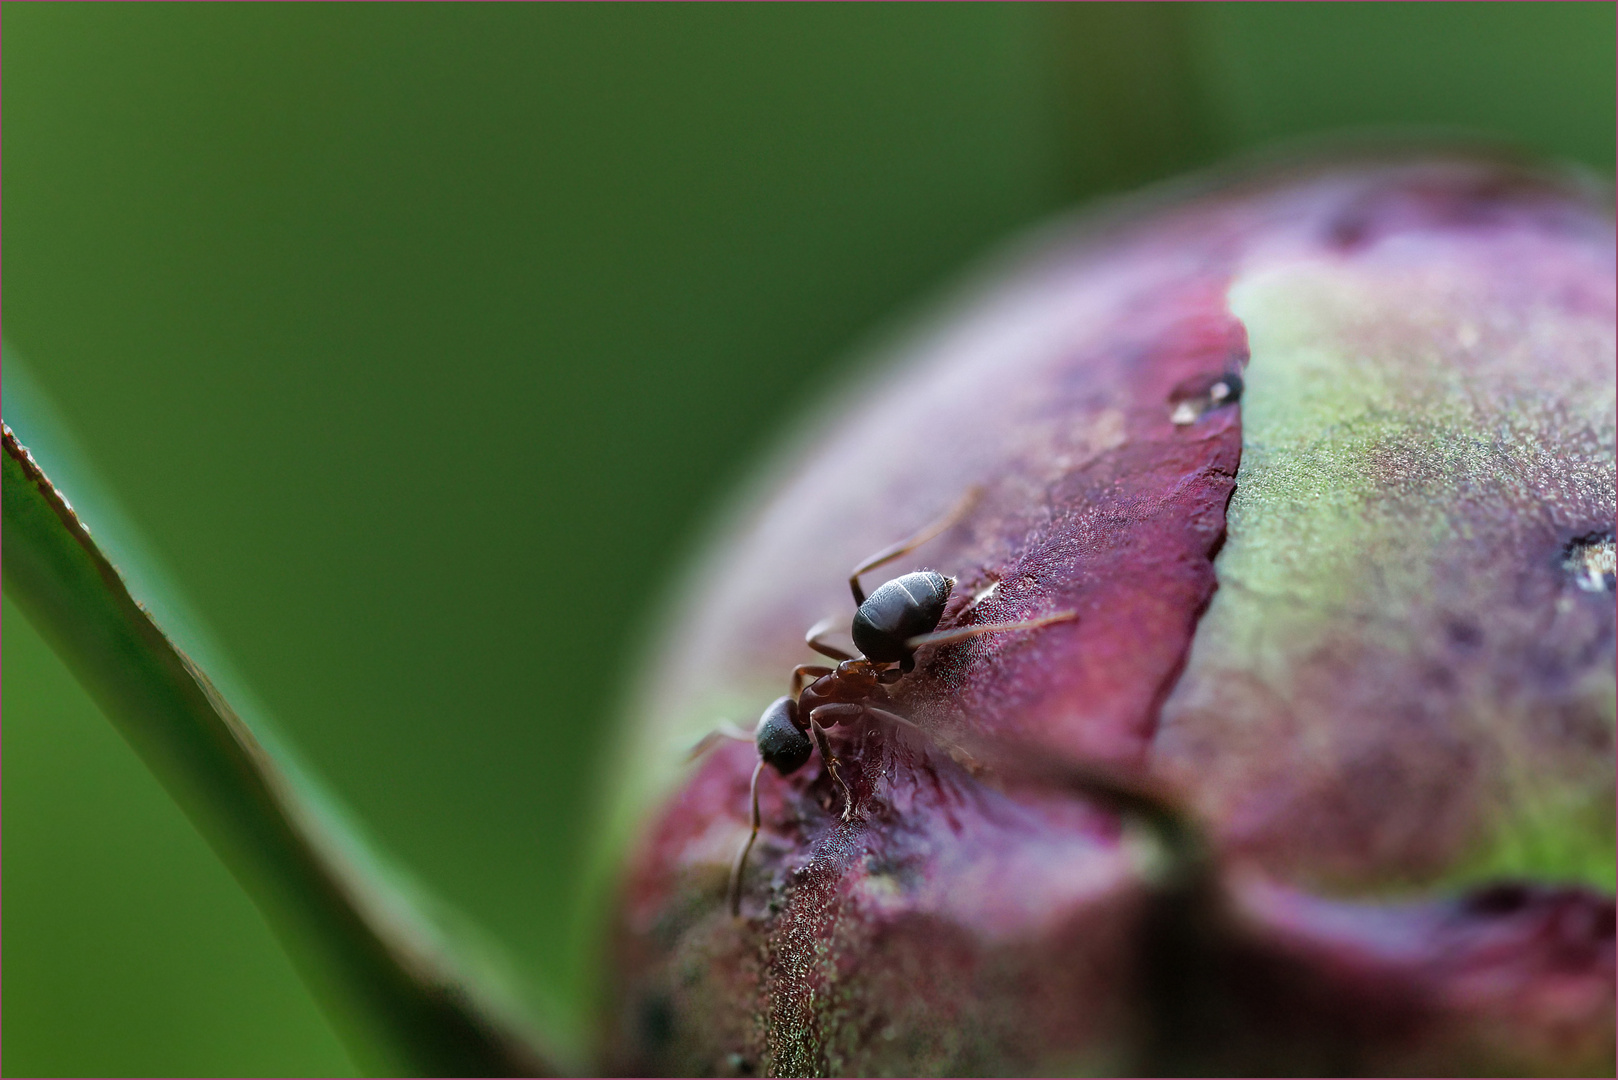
[(1320, 777)]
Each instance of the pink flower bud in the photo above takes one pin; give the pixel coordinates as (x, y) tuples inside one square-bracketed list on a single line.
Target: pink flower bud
[(1320, 777)]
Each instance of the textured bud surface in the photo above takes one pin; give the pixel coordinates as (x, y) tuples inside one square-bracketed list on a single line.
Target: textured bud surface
[(1324, 462)]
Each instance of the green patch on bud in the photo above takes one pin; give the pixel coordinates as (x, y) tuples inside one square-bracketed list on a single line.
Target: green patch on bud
[(1408, 666)]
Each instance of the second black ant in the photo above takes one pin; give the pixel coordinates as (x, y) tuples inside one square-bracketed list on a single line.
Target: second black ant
[(890, 624)]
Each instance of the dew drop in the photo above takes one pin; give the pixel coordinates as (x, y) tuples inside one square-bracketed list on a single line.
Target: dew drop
[(1592, 562), (1197, 397)]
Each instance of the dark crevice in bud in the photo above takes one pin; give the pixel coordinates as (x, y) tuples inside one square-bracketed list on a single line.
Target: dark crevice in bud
[(1501, 898)]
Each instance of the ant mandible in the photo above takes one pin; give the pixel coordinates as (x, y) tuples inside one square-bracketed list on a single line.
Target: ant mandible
[(889, 626)]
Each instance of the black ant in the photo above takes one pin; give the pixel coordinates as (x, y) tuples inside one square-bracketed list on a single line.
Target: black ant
[(889, 626)]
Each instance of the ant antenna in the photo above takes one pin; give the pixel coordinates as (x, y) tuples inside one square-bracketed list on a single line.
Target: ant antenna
[(741, 856)]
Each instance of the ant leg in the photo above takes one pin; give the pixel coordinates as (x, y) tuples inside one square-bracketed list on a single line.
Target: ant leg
[(740, 864), (824, 648), (806, 671), (905, 721), (831, 758), (837, 712), (905, 547), (946, 637), (708, 741), (895, 718), (956, 752)]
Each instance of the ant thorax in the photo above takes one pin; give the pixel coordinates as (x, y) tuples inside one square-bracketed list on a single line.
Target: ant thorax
[(853, 682)]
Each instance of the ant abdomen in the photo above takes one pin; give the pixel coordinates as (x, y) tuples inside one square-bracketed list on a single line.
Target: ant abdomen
[(899, 610)]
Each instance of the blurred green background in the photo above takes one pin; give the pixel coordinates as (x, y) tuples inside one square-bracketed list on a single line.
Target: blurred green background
[(419, 340)]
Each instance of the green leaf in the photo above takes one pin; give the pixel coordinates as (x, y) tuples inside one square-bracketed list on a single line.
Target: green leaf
[(407, 984)]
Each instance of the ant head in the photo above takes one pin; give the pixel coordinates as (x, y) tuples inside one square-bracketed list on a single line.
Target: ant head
[(781, 742), (898, 611)]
